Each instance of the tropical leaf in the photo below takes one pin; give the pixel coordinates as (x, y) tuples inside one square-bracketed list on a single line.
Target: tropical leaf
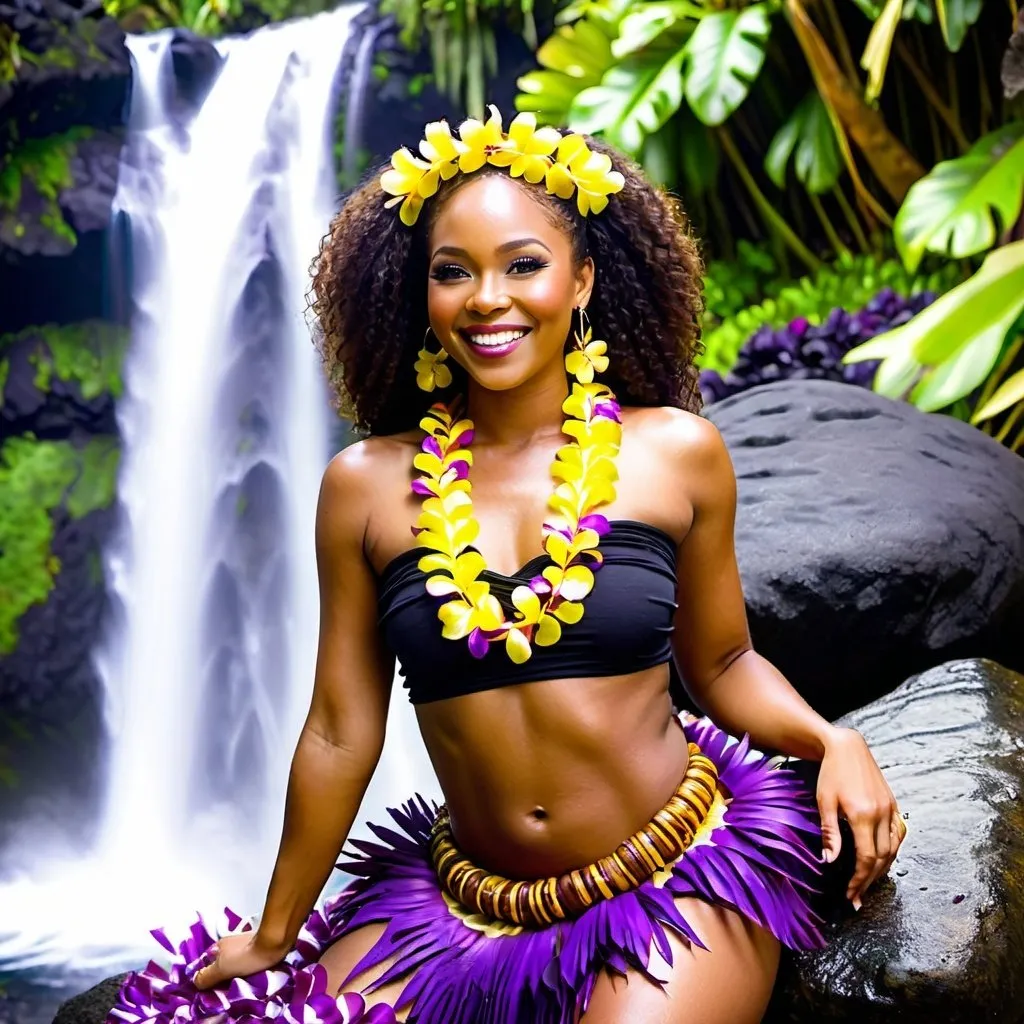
[(892, 163), (954, 209), (953, 344), (575, 58), (634, 99), (724, 57), (648, 22), (808, 132), (875, 58), (1009, 393), (955, 18)]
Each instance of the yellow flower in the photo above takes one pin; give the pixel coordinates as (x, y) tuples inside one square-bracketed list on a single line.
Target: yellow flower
[(465, 570), (587, 359), (533, 147), (590, 174), (484, 143), (411, 180), (430, 370), (477, 609), (580, 403), (573, 583)]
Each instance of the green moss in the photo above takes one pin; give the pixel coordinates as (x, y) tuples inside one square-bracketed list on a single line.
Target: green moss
[(89, 353), (36, 479), (46, 163)]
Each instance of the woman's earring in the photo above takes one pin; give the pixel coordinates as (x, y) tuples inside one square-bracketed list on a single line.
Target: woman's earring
[(430, 369), (587, 356)]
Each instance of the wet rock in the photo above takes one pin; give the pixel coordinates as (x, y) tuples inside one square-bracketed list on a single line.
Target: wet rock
[(874, 540), (942, 939), (189, 74), (91, 1007), (76, 69)]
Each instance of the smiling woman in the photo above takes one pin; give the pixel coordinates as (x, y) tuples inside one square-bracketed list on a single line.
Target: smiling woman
[(598, 858)]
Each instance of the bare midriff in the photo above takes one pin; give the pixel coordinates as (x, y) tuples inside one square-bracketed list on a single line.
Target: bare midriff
[(545, 777)]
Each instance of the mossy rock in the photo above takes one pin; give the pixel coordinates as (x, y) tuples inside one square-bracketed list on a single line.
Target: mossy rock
[(37, 479), (34, 177), (59, 379)]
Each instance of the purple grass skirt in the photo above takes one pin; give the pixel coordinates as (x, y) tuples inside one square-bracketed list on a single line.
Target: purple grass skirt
[(758, 853)]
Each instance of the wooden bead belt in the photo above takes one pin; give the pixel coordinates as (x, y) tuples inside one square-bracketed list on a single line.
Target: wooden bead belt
[(563, 897)]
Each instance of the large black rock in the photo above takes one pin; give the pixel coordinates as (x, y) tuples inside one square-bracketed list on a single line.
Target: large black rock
[(874, 540), (943, 938)]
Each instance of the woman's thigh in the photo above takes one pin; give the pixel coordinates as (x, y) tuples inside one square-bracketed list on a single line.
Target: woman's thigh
[(343, 955), (730, 982)]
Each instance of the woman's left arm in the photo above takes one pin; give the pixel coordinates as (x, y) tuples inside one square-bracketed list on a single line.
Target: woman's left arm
[(741, 691)]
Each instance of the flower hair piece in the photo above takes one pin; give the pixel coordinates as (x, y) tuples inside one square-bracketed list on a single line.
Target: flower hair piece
[(564, 163)]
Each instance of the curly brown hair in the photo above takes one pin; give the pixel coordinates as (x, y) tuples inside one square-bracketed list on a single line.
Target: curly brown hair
[(369, 297)]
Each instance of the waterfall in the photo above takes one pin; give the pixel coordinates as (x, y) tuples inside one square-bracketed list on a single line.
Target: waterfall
[(209, 660)]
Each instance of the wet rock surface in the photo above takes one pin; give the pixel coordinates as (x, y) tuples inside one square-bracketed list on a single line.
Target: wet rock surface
[(90, 1007), (942, 939), (874, 540)]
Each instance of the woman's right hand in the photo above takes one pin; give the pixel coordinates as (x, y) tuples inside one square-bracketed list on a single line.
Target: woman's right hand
[(236, 956)]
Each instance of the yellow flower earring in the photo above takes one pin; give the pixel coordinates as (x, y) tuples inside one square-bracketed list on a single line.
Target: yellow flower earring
[(588, 356), (430, 369)]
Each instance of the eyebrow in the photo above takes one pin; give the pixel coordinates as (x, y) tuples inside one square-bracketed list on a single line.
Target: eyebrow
[(518, 243)]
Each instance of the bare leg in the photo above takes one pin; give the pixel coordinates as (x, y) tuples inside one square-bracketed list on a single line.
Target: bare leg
[(340, 958), (728, 983)]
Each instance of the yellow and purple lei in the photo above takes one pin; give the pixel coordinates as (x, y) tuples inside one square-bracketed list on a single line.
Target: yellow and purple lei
[(586, 474)]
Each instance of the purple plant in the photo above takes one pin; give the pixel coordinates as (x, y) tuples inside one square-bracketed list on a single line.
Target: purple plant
[(803, 351)]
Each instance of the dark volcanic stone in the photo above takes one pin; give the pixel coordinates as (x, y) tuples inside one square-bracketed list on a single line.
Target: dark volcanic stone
[(76, 69), (943, 938), (91, 1007), (874, 540)]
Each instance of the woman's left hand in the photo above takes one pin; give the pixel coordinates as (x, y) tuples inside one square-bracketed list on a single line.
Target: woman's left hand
[(851, 784)]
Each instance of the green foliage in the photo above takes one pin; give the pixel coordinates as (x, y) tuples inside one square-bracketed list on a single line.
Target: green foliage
[(958, 208), (5, 368), (460, 34), (966, 340), (10, 54), (46, 162), (724, 57), (36, 479), (955, 18), (90, 353), (207, 17), (849, 282), (810, 134)]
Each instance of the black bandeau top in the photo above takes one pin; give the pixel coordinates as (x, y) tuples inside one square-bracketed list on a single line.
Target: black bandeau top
[(626, 625)]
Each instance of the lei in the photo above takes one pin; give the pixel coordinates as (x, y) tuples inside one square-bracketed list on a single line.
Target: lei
[(586, 474)]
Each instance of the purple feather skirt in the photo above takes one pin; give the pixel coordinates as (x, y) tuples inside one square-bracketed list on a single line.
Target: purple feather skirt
[(757, 853)]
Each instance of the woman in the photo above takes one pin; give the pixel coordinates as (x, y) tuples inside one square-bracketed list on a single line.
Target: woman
[(596, 859)]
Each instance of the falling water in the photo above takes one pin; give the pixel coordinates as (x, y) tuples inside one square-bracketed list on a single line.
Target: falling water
[(209, 662)]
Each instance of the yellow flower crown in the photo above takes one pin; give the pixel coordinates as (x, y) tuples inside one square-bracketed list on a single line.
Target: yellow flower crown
[(563, 162)]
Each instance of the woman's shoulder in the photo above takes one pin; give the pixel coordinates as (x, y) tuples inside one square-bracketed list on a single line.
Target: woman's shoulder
[(370, 468), (675, 435)]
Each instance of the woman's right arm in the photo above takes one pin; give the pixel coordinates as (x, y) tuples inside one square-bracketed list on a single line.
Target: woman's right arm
[(342, 738)]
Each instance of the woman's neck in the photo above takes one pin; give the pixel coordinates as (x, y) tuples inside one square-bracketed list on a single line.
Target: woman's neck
[(521, 415)]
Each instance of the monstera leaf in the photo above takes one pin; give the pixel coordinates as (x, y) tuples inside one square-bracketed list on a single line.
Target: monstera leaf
[(955, 18), (648, 22), (810, 134), (634, 99), (949, 349), (575, 58), (953, 209), (724, 57)]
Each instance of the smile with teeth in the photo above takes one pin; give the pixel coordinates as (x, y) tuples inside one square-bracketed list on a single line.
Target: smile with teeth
[(495, 339)]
